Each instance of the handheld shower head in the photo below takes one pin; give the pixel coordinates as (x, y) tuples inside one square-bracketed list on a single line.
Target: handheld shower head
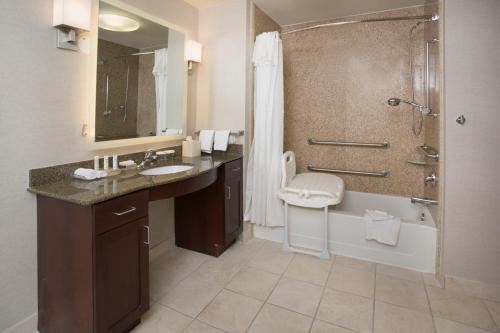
[(396, 101)]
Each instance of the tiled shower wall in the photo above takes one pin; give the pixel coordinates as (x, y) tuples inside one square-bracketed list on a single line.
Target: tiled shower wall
[(337, 83)]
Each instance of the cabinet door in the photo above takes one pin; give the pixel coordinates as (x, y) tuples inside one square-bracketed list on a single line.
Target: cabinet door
[(122, 294), (234, 208)]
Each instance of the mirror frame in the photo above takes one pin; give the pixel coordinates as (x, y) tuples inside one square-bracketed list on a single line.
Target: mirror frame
[(90, 124)]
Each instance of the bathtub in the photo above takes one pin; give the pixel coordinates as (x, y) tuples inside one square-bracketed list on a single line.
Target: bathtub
[(416, 248)]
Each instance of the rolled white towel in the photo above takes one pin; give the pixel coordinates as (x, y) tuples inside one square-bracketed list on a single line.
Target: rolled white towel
[(89, 174)]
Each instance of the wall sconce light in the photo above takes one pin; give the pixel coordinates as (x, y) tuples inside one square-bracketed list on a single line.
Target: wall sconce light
[(193, 53), (71, 16)]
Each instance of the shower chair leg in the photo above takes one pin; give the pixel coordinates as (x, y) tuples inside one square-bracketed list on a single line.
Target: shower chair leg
[(325, 254), (286, 242)]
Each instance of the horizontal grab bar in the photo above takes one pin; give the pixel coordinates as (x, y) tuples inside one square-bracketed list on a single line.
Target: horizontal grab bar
[(384, 144), (350, 172), (423, 201)]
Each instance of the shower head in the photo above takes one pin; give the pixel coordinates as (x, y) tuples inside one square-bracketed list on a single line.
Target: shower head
[(396, 101)]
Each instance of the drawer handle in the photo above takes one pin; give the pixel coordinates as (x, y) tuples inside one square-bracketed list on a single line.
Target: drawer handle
[(228, 192), (147, 229), (125, 212), (236, 169)]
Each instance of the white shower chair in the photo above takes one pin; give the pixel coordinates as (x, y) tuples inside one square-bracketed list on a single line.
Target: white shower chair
[(311, 190)]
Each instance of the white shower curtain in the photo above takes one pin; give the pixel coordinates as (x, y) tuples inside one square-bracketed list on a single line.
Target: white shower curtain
[(160, 74), (264, 165)]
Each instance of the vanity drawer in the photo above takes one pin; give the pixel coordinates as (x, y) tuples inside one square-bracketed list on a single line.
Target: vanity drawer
[(116, 212), (234, 168)]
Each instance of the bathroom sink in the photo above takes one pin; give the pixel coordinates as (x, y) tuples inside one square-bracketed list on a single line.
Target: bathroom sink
[(166, 170)]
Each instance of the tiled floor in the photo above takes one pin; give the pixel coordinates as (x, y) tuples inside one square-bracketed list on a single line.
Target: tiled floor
[(256, 287)]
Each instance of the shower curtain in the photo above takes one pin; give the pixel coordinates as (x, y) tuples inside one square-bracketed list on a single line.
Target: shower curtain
[(264, 165), (160, 74)]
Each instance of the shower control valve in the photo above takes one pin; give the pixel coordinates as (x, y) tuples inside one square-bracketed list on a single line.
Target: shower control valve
[(431, 179)]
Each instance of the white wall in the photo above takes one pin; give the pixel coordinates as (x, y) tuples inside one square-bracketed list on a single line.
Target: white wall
[(43, 103), (472, 183), (221, 87)]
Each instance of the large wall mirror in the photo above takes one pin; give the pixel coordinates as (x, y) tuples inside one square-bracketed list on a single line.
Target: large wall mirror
[(141, 74)]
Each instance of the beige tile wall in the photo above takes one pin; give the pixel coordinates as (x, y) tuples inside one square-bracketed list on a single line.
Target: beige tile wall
[(337, 82)]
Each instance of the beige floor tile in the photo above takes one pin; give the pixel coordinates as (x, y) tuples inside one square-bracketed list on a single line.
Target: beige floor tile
[(216, 271), (324, 327), (168, 270), (448, 326), (200, 327), (162, 319), (297, 296), (346, 310), (243, 252), (494, 308), (273, 319), (400, 273), (309, 269), (401, 292), (190, 296), (271, 258), (395, 319), (354, 263), (254, 282), (231, 312), (431, 280), (473, 288), (468, 310), (359, 282)]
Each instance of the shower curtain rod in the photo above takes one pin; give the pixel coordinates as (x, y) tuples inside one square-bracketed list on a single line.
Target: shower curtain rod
[(433, 17), (135, 54)]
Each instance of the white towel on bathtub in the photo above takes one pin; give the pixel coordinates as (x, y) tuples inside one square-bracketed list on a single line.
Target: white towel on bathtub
[(382, 227)]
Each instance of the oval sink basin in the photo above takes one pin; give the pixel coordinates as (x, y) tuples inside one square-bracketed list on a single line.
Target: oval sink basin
[(166, 170)]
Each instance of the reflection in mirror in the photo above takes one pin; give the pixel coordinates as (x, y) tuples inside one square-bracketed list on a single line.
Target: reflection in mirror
[(140, 77)]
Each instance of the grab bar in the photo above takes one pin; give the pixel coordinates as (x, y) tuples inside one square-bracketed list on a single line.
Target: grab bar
[(384, 144), (350, 172), (421, 163), (429, 152), (423, 201)]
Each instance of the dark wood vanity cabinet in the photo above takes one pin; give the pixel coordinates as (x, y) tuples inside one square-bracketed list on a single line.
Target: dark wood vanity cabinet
[(93, 264), (210, 220), (93, 261)]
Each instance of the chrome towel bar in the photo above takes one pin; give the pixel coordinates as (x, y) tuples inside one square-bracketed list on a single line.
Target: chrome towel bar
[(384, 144), (350, 172), (236, 133)]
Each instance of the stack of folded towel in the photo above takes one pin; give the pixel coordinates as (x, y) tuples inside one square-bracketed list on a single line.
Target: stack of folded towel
[(382, 227), (89, 174), (214, 140)]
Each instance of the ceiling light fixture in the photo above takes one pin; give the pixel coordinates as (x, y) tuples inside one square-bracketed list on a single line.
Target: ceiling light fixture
[(114, 22)]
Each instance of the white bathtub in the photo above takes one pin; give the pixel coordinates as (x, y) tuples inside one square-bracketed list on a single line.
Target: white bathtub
[(416, 248)]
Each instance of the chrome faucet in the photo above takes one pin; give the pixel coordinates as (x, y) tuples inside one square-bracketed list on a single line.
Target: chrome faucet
[(149, 157), (423, 201)]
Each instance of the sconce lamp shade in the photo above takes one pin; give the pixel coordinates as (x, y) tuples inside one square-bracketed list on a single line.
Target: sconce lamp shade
[(73, 14), (193, 51)]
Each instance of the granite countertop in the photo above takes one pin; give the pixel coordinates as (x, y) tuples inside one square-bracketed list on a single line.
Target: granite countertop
[(86, 193)]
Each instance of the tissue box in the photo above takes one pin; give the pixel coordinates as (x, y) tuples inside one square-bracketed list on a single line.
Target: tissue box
[(191, 148)]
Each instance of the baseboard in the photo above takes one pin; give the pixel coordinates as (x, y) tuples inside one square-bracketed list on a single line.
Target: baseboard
[(27, 325)]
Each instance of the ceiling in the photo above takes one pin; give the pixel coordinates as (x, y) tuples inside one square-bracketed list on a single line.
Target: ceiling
[(149, 34), (204, 3), (286, 12)]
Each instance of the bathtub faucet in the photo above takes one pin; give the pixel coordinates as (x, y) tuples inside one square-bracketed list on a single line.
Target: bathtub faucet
[(423, 201)]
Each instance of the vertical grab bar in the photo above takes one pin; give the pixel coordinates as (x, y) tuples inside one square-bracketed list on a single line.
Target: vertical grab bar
[(427, 73)]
